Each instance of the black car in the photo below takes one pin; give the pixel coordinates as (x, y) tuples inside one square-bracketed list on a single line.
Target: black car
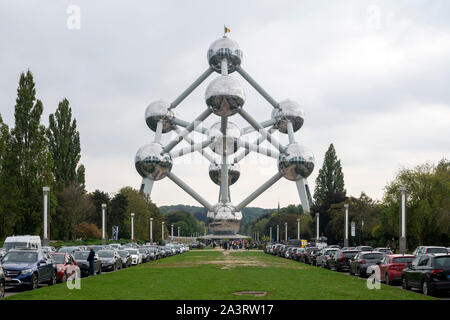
[(340, 259), (2, 282), (364, 248), (359, 264), (83, 264), (305, 254), (126, 258), (428, 272), (111, 261), (28, 267)]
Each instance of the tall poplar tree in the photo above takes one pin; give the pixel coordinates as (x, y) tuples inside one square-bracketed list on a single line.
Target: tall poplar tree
[(31, 161), (64, 144)]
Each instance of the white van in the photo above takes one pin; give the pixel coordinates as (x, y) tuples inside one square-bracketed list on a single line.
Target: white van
[(32, 242)]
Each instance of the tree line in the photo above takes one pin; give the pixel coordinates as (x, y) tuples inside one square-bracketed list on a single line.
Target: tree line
[(377, 221)]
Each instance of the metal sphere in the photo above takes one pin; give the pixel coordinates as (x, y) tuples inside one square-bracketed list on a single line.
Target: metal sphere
[(289, 111), (224, 48), (296, 162), (160, 110), (225, 96), (231, 138), (224, 219), (215, 173), (152, 162)]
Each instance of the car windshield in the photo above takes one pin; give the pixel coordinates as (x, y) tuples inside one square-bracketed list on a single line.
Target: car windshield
[(79, 255), (59, 258), (366, 248), (437, 250), (329, 251), (443, 262), (384, 250), (349, 254), (66, 249), (133, 251), (123, 253), (12, 245), (373, 256), (143, 251), (403, 260), (17, 256), (105, 254)]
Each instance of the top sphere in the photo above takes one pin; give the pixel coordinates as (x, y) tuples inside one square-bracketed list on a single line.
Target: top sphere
[(160, 111), (289, 111), (224, 48)]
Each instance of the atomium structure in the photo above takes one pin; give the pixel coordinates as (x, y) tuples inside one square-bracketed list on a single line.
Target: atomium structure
[(224, 145)]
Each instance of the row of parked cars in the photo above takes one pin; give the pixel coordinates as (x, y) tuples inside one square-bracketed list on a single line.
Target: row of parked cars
[(29, 267), (427, 268)]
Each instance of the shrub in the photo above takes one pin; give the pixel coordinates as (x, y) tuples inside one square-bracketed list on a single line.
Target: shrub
[(88, 231)]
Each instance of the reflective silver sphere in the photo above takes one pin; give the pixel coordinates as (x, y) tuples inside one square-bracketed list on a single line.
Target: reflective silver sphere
[(215, 173), (225, 96), (224, 48), (159, 110), (231, 139), (289, 111), (297, 162), (224, 219), (152, 162)]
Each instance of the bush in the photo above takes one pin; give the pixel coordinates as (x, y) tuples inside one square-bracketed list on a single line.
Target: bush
[(88, 231)]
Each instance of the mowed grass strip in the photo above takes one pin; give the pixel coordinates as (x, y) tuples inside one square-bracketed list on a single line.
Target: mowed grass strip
[(207, 275)]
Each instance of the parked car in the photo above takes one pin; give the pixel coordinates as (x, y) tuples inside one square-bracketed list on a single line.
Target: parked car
[(83, 264), (383, 250), (27, 241), (364, 248), (299, 253), (304, 255), (392, 265), (2, 282), (126, 258), (334, 246), (66, 266), (145, 255), (325, 254), (136, 258), (68, 249), (29, 268), (110, 259), (340, 260), (312, 256), (3, 252), (360, 262), (430, 250), (97, 248), (429, 272), (49, 249)]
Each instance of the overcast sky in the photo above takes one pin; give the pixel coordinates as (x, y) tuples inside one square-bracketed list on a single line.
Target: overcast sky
[(372, 76)]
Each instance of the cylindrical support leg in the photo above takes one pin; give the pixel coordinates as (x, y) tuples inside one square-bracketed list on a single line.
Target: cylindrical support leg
[(103, 223), (346, 226)]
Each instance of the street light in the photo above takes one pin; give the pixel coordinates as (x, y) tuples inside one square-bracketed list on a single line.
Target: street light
[(46, 191), (346, 225), (270, 232), (298, 229), (278, 233), (151, 230), (402, 189), (162, 232), (171, 233), (317, 236), (103, 223), (132, 227), (285, 232)]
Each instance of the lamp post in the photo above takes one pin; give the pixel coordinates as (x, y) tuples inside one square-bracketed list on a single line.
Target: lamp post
[(178, 232), (317, 228), (270, 234), (151, 230), (402, 189), (278, 233), (171, 232), (162, 231), (298, 229), (346, 225), (103, 223), (46, 191), (132, 227), (285, 232)]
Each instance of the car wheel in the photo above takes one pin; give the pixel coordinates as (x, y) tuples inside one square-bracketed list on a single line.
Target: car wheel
[(34, 281), (2, 289), (350, 271), (52, 279), (387, 279), (426, 289), (360, 274), (405, 284), (99, 270)]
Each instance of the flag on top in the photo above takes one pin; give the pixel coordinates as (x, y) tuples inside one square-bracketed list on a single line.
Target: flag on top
[(225, 30)]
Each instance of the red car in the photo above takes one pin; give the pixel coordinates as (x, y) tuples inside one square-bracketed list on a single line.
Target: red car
[(65, 265), (392, 265)]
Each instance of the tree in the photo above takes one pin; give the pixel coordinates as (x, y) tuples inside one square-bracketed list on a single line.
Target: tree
[(64, 145), (30, 162), (118, 214), (87, 231), (98, 198)]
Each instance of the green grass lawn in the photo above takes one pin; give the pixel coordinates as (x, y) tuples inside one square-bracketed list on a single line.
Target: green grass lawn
[(214, 275)]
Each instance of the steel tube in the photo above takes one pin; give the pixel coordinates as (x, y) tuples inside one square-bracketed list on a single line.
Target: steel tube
[(257, 87), (192, 87), (190, 191)]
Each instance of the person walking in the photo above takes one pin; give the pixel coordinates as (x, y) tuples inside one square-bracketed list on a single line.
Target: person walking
[(91, 258)]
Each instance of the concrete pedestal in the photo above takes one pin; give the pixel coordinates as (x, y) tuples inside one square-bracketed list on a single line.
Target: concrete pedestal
[(345, 242), (403, 245), (103, 241), (45, 242)]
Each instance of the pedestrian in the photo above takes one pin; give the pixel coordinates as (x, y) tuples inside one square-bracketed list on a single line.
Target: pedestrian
[(91, 259)]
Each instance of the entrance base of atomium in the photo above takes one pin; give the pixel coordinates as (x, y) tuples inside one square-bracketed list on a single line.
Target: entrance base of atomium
[(230, 236)]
